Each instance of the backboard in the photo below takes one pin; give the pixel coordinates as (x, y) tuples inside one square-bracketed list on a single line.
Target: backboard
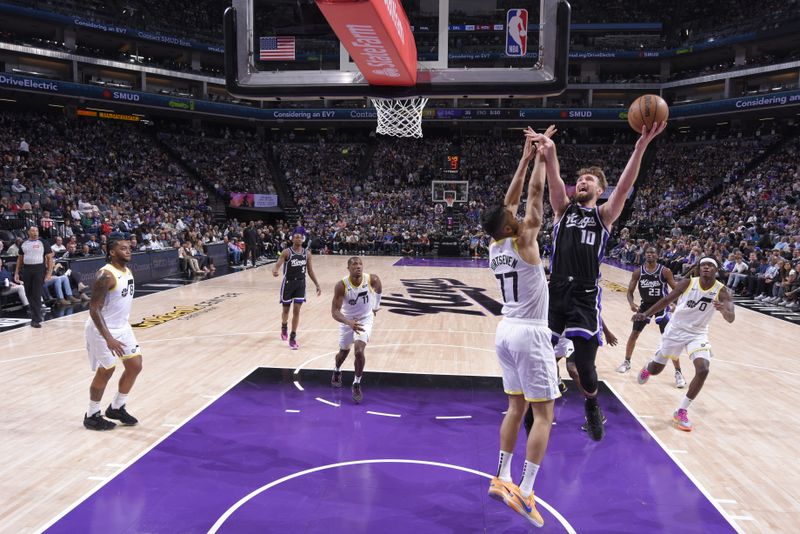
[(283, 48)]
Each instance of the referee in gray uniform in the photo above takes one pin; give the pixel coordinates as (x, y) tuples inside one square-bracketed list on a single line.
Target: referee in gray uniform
[(36, 261)]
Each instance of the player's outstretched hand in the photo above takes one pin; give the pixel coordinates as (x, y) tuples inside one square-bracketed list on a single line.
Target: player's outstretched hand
[(528, 150), (275, 274), (649, 135), (639, 317), (356, 326)]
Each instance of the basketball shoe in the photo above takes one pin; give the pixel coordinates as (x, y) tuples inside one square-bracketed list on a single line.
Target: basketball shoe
[(644, 375), (96, 422), (624, 367), (357, 394), (121, 415), (336, 379), (595, 421), (525, 506), (680, 382), (284, 333), (681, 420), (293, 344), (500, 490)]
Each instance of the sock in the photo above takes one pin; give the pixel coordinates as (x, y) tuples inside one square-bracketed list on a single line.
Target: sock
[(504, 469), (357, 380), (119, 400), (685, 403), (292, 335), (338, 368), (591, 402), (284, 327), (529, 471), (94, 407)]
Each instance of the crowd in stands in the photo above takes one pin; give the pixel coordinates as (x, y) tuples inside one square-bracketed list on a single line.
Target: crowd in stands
[(81, 180), (752, 226), (233, 162)]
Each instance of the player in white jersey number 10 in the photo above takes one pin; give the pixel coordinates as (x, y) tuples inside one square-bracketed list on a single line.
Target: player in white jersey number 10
[(697, 299)]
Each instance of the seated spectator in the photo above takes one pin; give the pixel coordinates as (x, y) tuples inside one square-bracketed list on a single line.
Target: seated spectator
[(63, 292), (93, 244), (9, 287), (765, 282), (738, 273), (58, 247), (13, 250), (234, 252)]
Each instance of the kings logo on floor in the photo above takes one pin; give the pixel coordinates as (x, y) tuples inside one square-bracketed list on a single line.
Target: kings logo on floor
[(429, 296)]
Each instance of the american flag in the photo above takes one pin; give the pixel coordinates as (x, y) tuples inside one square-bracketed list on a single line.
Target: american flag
[(276, 49)]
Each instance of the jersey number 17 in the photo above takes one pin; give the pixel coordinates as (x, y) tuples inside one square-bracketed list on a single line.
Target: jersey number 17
[(514, 278)]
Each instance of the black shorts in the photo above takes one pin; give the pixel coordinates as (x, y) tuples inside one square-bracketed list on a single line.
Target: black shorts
[(293, 291), (575, 309), (662, 318)]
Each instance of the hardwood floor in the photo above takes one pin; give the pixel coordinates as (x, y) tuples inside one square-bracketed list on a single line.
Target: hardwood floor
[(211, 334)]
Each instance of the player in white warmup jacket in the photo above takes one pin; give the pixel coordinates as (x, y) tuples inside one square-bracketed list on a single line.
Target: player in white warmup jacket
[(356, 300), (697, 298), (523, 340)]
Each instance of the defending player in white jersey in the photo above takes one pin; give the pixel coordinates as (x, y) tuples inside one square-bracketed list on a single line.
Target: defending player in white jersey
[(356, 300), (522, 341), (109, 337), (697, 299)]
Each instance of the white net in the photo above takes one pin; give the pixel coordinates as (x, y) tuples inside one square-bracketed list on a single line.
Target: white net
[(400, 117)]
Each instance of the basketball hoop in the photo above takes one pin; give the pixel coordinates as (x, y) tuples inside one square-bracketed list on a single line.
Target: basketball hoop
[(400, 117)]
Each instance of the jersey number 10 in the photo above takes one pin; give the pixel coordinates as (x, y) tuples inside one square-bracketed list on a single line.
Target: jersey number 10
[(514, 278), (587, 238)]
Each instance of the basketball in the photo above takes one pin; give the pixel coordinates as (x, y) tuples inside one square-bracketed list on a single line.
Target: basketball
[(647, 110)]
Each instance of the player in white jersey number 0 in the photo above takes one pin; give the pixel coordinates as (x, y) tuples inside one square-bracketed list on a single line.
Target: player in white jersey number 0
[(688, 329)]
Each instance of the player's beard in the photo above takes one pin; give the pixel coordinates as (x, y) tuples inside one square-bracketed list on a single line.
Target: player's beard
[(583, 196)]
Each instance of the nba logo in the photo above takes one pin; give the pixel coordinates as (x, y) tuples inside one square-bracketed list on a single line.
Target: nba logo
[(517, 32)]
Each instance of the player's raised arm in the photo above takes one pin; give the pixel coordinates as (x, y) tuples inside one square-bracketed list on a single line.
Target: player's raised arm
[(534, 210), (514, 191), (664, 302), (559, 200), (611, 210)]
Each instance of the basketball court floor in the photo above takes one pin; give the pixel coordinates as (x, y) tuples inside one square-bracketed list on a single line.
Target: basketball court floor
[(238, 433)]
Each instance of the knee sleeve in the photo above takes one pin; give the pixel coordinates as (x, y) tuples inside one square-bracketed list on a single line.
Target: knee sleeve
[(583, 358)]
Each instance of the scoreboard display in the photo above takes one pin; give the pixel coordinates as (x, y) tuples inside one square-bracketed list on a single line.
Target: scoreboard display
[(452, 164)]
